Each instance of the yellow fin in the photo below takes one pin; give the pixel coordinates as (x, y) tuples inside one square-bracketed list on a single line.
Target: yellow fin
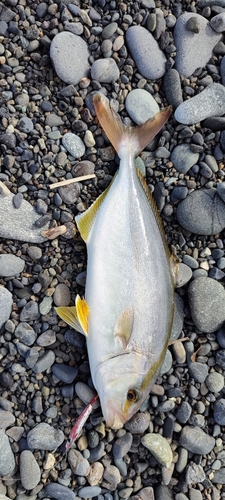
[(116, 130), (82, 313), (85, 221), (124, 326), (69, 315)]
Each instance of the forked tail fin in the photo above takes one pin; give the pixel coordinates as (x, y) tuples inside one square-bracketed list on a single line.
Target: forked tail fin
[(116, 131)]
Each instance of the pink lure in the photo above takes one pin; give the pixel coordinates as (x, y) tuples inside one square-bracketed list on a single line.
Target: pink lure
[(76, 429)]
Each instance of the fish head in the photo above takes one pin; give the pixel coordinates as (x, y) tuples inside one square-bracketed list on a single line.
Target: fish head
[(123, 383)]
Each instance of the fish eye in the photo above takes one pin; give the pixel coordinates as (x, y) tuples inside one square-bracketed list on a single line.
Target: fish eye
[(132, 396)]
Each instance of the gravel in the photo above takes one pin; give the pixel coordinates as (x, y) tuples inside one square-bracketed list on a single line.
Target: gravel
[(142, 56)]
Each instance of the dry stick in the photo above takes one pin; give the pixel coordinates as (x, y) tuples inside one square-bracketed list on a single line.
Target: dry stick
[(70, 181)]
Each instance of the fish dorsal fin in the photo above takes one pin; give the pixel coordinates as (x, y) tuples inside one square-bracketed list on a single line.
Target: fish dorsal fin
[(82, 313), (124, 326), (75, 316), (116, 131), (154, 209), (85, 221)]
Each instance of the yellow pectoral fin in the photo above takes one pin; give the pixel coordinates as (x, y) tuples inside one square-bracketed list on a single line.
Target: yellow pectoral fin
[(75, 316), (82, 313)]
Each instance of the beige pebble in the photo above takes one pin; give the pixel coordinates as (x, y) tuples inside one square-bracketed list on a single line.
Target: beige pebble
[(179, 352), (89, 140), (95, 474), (49, 462)]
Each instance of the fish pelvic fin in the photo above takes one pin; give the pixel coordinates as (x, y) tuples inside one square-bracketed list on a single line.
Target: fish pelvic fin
[(75, 316), (124, 326), (117, 132)]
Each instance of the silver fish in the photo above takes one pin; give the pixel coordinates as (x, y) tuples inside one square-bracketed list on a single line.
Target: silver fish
[(127, 311)]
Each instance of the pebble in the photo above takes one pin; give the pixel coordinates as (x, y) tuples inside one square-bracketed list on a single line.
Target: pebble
[(187, 58), (122, 445), (95, 474), (159, 447), (217, 23), (25, 333), (206, 299), (65, 373), (105, 70), (10, 221), (141, 106), (209, 102), (7, 461), (194, 474), (62, 296), (167, 363), (153, 67), (79, 465), (6, 302), (11, 265), (69, 54), (219, 411), (196, 440), (172, 85), (111, 478), (34, 252), (219, 476), (44, 437), (202, 212), (138, 423), (73, 144), (59, 492), (30, 312), (29, 470), (89, 491), (70, 193), (45, 362), (215, 382), (184, 412), (183, 158)]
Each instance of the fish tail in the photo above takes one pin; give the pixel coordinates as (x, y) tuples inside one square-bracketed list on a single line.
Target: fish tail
[(118, 133)]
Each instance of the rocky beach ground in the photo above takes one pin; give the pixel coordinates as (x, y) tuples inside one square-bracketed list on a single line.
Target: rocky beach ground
[(142, 55)]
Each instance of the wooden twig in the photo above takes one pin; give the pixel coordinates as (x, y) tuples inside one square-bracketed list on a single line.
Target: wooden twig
[(70, 181)]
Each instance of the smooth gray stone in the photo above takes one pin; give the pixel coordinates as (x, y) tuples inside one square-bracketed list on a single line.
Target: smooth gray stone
[(44, 437), (202, 212), (30, 473), (210, 102), (6, 302), (193, 49), (11, 265), (183, 158), (207, 304), (150, 60), (196, 440), (141, 106), (7, 461), (19, 223), (172, 85), (105, 70), (69, 54), (59, 492)]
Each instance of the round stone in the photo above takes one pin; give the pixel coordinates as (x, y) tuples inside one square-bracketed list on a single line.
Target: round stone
[(141, 106), (69, 54)]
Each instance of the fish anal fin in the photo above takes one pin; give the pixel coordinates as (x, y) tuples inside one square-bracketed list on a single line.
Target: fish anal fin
[(85, 221), (82, 310), (69, 315), (124, 326)]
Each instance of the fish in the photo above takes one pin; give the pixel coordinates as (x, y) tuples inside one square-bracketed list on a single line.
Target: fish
[(78, 426), (127, 311)]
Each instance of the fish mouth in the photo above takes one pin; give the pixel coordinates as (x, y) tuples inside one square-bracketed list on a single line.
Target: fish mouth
[(113, 418)]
